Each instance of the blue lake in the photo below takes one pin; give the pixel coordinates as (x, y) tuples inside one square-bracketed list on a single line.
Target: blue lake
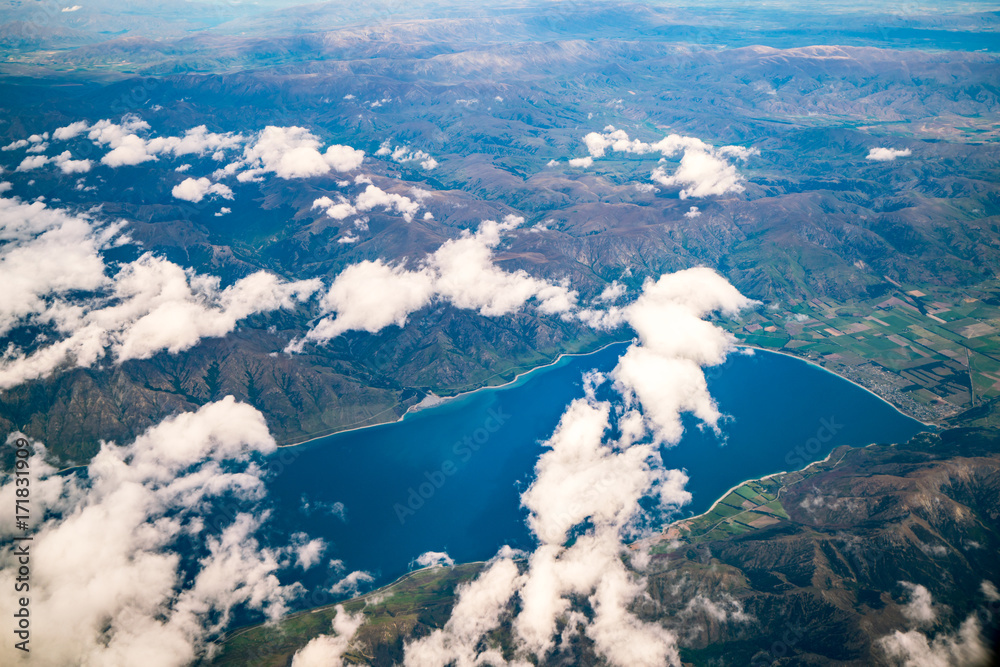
[(449, 478)]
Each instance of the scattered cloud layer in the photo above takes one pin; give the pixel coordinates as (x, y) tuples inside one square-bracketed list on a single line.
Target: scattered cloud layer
[(53, 266), (371, 198), (404, 154), (130, 146), (704, 170), (599, 463), (287, 152), (373, 294), (108, 586)]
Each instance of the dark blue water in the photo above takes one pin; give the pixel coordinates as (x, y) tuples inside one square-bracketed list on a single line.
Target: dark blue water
[(449, 478)]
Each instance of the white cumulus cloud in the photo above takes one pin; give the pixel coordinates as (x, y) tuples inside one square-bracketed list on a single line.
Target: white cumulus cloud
[(195, 189), (70, 131), (294, 152), (328, 650), (882, 154), (372, 295), (704, 170), (920, 607)]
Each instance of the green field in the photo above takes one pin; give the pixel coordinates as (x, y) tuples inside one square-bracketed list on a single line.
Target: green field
[(933, 352)]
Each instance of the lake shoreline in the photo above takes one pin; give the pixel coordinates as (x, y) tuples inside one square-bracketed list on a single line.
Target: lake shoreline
[(846, 379), (448, 399), (560, 357)]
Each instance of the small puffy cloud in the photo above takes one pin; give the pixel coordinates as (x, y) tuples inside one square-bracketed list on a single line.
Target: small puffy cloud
[(64, 161), (692, 212), (68, 165), (989, 589), (130, 150), (371, 296), (328, 650), (70, 131), (701, 174), (127, 147), (5, 186), (352, 583), (196, 141), (225, 210), (371, 198), (612, 292), (14, 145), (915, 649), (374, 196), (920, 607), (433, 559), (73, 8), (582, 162), (307, 552), (882, 154), (468, 278), (32, 162), (727, 609), (195, 189)]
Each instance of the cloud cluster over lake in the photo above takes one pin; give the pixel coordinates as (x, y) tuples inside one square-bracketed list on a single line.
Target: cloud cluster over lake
[(584, 502)]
